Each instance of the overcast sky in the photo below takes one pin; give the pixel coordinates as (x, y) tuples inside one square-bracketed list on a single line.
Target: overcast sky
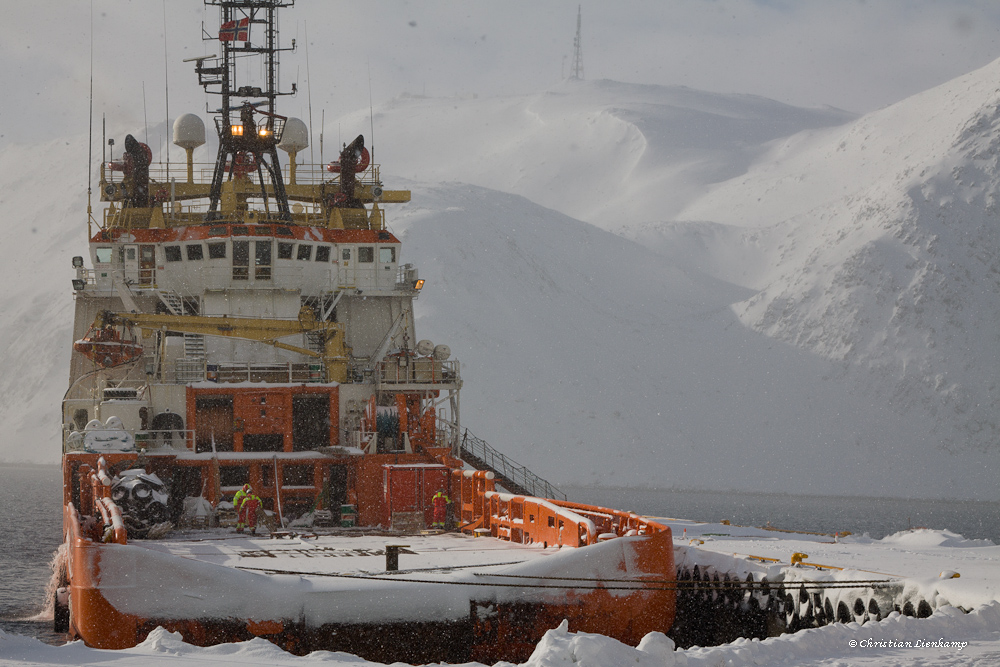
[(850, 54)]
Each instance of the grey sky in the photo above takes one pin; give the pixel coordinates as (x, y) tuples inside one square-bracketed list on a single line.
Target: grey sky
[(850, 54)]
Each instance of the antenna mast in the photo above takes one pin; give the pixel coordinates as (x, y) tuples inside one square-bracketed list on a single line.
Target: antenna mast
[(576, 71), (249, 28)]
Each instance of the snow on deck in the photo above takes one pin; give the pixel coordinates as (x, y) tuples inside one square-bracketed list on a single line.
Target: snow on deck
[(344, 553)]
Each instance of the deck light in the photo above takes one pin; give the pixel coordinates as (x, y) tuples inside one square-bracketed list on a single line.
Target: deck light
[(77, 262), (236, 130), (418, 284), (263, 132), (79, 284)]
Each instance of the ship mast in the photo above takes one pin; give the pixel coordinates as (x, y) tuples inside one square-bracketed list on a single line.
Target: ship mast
[(248, 140)]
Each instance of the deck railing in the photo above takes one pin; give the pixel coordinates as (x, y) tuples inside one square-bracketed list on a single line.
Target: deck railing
[(511, 475)]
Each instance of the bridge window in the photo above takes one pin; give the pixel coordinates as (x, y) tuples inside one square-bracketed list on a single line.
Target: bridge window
[(366, 254), (263, 260), (386, 255), (305, 251), (217, 250), (323, 253), (103, 255), (284, 250), (195, 252), (172, 253), (241, 260)]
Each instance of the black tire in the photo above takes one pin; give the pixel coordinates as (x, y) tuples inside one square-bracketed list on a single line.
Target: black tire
[(874, 613), (60, 614), (831, 616)]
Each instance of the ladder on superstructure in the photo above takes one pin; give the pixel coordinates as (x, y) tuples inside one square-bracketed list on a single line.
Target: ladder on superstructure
[(192, 367)]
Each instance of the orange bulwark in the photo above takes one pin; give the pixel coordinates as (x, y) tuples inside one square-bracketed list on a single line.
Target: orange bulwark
[(637, 598)]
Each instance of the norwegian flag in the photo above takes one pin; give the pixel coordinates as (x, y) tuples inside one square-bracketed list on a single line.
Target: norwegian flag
[(235, 31)]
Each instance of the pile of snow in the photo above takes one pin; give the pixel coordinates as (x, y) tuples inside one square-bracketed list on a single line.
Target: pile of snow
[(924, 537)]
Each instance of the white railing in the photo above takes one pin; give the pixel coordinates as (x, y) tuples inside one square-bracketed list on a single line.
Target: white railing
[(189, 370), (421, 370)]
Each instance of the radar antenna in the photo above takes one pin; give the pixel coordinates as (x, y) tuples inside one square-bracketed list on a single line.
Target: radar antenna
[(249, 141)]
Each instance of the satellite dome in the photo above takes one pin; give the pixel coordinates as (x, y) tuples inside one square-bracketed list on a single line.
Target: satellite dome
[(442, 352), (295, 136), (425, 348), (189, 131)]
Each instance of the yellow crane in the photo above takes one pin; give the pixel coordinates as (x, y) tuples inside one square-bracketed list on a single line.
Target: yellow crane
[(262, 330)]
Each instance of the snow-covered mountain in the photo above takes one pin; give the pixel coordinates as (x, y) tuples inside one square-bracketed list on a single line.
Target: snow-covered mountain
[(794, 300), (613, 154)]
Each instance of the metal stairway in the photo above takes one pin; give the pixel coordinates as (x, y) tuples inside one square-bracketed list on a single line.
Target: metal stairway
[(172, 300), (194, 346), (509, 473), (192, 367)]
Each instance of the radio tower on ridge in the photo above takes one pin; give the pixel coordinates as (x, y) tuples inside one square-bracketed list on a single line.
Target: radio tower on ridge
[(576, 71)]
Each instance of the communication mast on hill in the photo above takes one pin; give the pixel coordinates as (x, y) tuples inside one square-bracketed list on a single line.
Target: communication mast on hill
[(576, 71)]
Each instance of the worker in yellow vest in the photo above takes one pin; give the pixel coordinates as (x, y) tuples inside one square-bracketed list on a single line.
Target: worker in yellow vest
[(440, 502), (238, 504)]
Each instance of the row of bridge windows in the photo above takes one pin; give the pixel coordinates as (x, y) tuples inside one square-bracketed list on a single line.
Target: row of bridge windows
[(196, 251), (262, 255)]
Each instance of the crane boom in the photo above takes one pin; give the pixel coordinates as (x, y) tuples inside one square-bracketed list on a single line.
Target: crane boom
[(259, 329)]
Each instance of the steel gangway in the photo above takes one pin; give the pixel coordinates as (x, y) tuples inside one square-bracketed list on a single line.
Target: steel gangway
[(510, 474)]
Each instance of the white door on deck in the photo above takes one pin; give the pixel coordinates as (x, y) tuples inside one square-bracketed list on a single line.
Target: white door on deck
[(130, 259), (347, 260)]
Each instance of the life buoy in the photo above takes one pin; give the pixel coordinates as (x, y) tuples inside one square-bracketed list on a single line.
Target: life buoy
[(363, 162)]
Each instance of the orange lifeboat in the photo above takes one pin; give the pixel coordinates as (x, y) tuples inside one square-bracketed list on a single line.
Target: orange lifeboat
[(107, 347)]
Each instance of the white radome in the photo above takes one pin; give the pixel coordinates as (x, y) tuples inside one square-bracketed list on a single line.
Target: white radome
[(295, 136), (189, 131)]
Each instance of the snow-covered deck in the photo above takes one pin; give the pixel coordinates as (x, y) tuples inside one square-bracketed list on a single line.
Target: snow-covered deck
[(346, 553), (343, 579)]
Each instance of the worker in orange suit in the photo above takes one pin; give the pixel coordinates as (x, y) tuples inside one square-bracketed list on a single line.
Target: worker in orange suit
[(440, 501)]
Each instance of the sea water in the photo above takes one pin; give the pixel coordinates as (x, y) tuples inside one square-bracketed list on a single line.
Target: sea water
[(30, 498), (876, 517), (30, 503)]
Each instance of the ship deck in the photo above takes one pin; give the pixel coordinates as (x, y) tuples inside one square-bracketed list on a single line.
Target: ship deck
[(347, 552)]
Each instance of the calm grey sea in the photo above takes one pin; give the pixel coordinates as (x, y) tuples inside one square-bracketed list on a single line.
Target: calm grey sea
[(30, 501)]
